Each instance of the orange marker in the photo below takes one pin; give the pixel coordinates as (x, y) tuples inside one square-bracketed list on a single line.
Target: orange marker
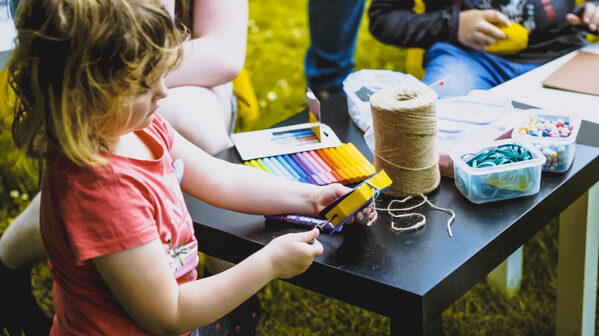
[(333, 169), (325, 157), (325, 168), (332, 153), (356, 173), (341, 169)]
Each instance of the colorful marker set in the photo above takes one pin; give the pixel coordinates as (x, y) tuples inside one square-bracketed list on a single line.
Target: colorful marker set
[(344, 164)]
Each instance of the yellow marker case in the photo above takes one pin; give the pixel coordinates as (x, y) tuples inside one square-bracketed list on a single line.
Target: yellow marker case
[(346, 206)]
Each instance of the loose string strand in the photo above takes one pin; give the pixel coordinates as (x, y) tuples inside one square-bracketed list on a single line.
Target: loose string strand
[(449, 211), (391, 210)]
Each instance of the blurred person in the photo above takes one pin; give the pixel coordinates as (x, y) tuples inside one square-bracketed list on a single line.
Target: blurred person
[(457, 35)]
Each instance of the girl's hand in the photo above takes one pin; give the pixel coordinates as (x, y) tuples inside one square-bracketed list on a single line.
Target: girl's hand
[(329, 193), (292, 254)]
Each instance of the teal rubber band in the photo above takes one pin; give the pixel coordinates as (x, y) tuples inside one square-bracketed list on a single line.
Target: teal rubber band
[(500, 155)]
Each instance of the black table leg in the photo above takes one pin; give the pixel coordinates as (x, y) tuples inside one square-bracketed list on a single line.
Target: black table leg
[(414, 323)]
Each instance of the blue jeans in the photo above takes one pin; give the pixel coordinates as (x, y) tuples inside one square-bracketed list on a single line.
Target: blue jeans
[(13, 4), (334, 28), (463, 69)]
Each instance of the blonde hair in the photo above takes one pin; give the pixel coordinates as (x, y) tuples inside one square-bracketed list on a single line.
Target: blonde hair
[(76, 62)]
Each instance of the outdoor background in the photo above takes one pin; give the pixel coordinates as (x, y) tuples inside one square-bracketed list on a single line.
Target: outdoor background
[(278, 38)]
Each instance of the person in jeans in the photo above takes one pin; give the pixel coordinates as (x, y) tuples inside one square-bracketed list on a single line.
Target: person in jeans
[(457, 34), (334, 26)]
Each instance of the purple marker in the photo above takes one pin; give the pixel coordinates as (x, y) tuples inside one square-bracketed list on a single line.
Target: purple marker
[(301, 220), (323, 172), (314, 166), (306, 170), (298, 170), (312, 171), (307, 167)]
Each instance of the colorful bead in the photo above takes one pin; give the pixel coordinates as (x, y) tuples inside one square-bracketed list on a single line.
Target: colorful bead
[(547, 128)]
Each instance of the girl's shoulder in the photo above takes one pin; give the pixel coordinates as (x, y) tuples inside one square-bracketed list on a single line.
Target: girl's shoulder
[(120, 175), (161, 130)]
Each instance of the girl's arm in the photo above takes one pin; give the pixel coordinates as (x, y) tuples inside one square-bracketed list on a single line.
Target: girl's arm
[(216, 53), (246, 189), (142, 281)]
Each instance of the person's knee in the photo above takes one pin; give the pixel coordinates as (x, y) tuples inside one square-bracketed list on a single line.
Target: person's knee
[(451, 71), (214, 144), (453, 84), (21, 243), (200, 115)]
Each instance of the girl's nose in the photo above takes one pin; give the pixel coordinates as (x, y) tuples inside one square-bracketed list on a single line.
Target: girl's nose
[(160, 90)]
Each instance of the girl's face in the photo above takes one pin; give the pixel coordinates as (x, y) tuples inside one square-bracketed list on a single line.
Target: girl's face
[(144, 106)]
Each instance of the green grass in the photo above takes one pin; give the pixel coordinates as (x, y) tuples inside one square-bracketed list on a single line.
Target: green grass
[(278, 38)]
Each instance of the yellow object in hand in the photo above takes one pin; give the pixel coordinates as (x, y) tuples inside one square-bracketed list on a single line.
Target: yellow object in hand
[(346, 206), (515, 41)]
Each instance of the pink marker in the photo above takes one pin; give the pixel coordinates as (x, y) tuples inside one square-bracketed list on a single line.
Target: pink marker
[(316, 168), (307, 167), (324, 168)]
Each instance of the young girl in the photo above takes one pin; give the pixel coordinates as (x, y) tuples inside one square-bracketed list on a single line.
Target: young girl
[(198, 104), (88, 76)]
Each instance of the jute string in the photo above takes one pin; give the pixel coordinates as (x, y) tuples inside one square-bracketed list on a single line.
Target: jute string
[(405, 125), (397, 211)]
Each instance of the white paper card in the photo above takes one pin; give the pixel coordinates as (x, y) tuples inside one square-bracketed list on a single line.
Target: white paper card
[(284, 140)]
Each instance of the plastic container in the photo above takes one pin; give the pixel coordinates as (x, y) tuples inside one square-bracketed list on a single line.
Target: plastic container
[(478, 108), (487, 184), (479, 117), (558, 150)]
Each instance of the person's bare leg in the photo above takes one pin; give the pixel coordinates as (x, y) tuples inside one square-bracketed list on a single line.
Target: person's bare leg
[(21, 243), (200, 115)]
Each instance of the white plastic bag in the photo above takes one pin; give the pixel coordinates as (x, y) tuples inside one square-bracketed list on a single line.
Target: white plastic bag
[(360, 85)]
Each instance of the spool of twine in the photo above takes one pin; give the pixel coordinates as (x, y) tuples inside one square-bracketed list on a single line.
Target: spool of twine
[(405, 125)]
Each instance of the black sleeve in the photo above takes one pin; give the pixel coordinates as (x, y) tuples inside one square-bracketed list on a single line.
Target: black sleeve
[(394, 22)]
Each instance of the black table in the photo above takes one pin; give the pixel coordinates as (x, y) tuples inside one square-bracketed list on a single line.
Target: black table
[(412, 277)]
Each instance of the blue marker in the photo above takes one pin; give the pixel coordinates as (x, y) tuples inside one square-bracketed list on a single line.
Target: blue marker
[(273, 162), (285, 165), (308, 176), (272, 168), (296, 168), (265, 166)]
